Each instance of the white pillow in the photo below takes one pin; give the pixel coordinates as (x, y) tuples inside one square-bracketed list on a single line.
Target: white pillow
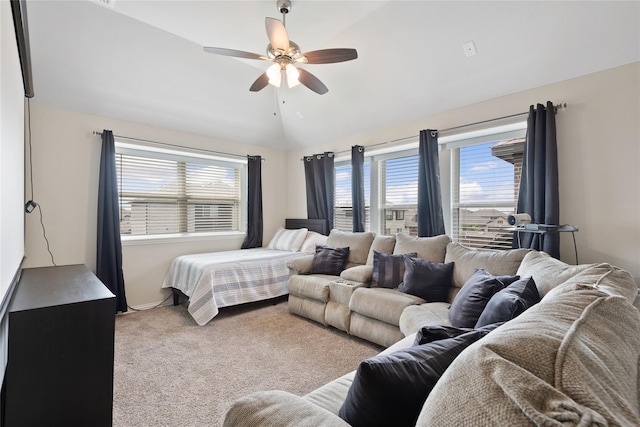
[(288, 240), (313, 239)]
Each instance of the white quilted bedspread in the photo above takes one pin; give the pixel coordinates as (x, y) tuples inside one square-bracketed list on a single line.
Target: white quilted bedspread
[(220, 279)]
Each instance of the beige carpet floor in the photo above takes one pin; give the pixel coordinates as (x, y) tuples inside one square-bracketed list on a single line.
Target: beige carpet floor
[(168, 371)]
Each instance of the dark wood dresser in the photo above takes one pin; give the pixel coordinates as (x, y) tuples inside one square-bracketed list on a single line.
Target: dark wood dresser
[(60, 350)]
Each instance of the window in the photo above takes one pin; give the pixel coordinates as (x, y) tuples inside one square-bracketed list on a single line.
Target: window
[(169, 192), (485, 173), (343, 209), (399, 194), (485, 183)]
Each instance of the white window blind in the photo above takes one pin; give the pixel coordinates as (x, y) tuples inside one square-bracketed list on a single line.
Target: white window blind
[(399, 195), (162, 193), (343, 209), (485, 183)]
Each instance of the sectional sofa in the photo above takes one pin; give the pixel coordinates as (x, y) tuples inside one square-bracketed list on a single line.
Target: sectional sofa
[(380, 314), (571, 359)]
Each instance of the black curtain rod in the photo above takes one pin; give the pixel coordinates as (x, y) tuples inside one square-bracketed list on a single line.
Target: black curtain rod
[(561, 106), (178, 146)]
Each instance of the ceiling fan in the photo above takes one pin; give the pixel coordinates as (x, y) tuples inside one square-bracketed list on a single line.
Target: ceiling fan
[(285, 54)]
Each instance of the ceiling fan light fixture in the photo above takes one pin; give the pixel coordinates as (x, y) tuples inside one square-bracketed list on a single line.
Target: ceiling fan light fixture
[(284, 53), (292, 75), (274, 72)]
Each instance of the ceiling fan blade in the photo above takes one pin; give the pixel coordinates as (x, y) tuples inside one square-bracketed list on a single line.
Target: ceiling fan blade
[(233, 52), (260, 83), (277, 34), (329, 56), (312, 82)]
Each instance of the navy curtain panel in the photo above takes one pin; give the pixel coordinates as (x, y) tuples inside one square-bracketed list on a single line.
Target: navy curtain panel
[(254, 203), (538, 194), (430, 218), (109, 253), (357, 187), (320, 186)]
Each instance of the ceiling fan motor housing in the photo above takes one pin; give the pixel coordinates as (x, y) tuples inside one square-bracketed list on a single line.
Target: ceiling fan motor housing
[(284, 6), (292, 54)]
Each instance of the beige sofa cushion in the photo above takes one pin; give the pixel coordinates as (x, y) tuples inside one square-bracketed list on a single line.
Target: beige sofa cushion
[(358, 244), (358, 273), (547, 271), (310, 242), (312, 286), (382, 303), (382, 244), (340, 291), (415, 317), (431, 248), (277, 408), (467, 261), (301, 265), (577, 355), (604, 277)]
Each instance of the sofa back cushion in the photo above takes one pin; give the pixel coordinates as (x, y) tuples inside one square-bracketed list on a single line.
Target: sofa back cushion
[(431, 248), (570, 357), (310, 242), (604, 277), (467, 261), (358, 244), (381, 244), (547, 271)]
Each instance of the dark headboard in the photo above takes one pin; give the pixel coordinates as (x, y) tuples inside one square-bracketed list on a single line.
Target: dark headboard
[(318, 225)]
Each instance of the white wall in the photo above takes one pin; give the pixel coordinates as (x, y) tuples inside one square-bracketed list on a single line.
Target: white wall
[(598, 155), (66, 159)]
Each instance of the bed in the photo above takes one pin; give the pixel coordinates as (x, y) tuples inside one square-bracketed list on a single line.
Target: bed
[(220, 279)]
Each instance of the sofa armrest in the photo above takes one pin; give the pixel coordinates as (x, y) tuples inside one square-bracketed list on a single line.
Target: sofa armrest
[(278, 409), (359, 273), (301, 265)]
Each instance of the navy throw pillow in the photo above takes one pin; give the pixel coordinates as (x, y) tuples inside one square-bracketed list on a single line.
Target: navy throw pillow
[(425, 279), (329, 260), (510, 302), (474, 296), (427, 334), (388, 269), (390, 389)]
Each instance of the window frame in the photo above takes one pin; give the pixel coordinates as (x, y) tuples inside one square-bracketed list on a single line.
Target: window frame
[(507, 129), (342, 162), (455, 142), (191, 155), (409, 149)]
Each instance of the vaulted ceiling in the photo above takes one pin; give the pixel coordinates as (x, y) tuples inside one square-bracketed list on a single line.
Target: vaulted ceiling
[(143, 61)]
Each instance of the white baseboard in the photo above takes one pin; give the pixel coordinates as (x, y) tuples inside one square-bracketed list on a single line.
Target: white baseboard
[(151, 305)]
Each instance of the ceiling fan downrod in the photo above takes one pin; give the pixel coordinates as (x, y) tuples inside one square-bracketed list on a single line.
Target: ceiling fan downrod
[(284, 6)]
